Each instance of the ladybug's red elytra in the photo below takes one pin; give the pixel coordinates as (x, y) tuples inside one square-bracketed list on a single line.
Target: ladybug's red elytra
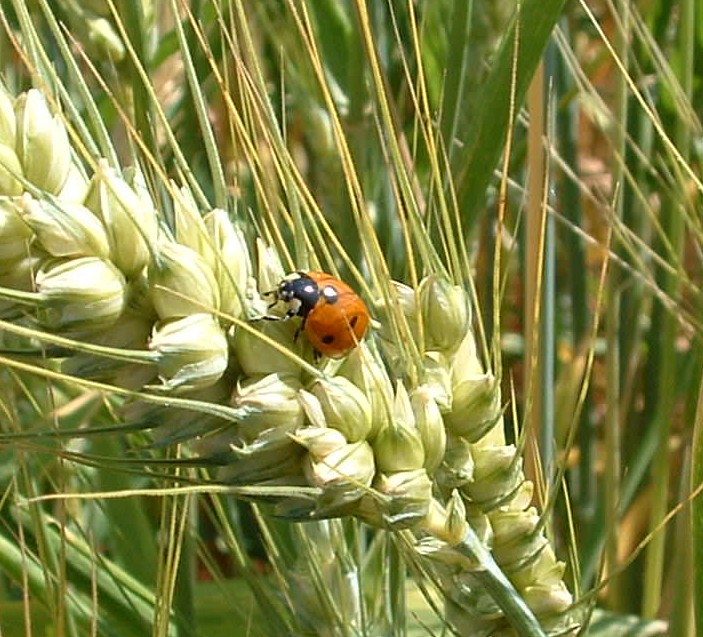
[(335, 319)]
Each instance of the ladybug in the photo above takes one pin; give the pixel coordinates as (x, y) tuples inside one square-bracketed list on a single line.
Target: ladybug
[(335, 319)]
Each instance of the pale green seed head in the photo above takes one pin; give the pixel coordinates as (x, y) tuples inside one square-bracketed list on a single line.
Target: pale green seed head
[(490, 460), (513, 526), (547, 600), (479, 522), (345, 407), (83, 294), (465, 362), (456, 526), (405, 298), (232, 264), (10, 172), (14, 235), (21, 274), (41, 144), (445, 313), (398, 446), (519, 553), (8, 123), (440, 552), (408, 495), (65, 229), (257, 357), (476, 405), (540, 567), (75, 188), (458, 466), (270, 456), (351, 465), (314, 412), (140, 301), (272, 403), (193, 351), (181, 282), (498, 472), (131, 331), (320, 441), (522, 498), (437, 379), (430, 425), (402, 407), (446, 526), (171, 425), (363, 368), (189, 225), (128, 215)]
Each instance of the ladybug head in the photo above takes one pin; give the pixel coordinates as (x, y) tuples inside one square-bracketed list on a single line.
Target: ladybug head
[(300, 292)]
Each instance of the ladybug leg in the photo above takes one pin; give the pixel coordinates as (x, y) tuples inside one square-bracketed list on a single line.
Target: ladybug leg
[(269, 294), (301, 327), (277, 299), (285, 317), (289, 314), (274, 318), (273, 304)]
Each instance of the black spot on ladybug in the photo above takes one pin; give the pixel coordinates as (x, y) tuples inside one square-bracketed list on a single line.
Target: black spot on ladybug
[(327, 339), (353, 321)]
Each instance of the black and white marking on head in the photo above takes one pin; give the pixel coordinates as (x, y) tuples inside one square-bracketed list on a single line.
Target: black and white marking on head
[(287, 287), (294, 306), (300, 292)]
